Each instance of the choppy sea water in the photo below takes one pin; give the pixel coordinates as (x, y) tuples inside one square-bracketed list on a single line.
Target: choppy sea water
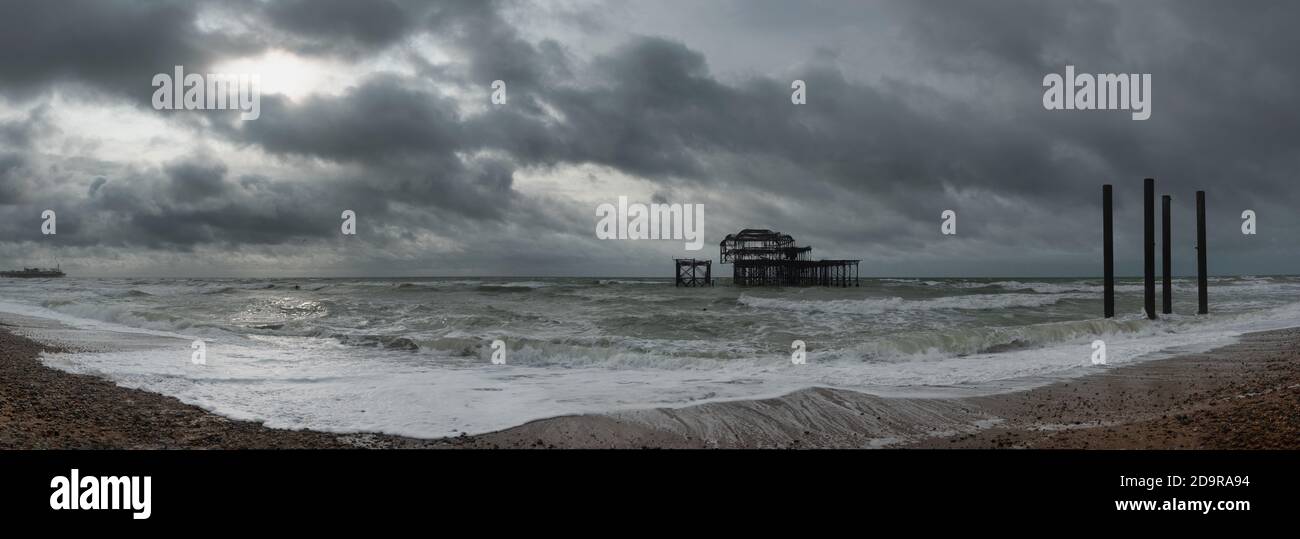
[(413, 356)]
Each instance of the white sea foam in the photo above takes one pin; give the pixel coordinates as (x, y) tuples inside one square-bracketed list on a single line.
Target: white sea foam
[(317, 359), (868, 306)]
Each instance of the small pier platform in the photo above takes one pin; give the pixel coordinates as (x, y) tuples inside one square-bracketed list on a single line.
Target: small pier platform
[(692, 272)]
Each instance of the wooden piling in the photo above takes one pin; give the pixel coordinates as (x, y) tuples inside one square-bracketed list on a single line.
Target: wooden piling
[(1108, 249), (1202, 281), (1166, 253), (1149, 245)]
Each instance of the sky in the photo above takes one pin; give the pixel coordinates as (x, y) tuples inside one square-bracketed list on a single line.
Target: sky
[(385, 108)]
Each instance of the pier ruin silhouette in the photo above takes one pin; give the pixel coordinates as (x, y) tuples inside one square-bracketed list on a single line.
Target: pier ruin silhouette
[(761, 257)]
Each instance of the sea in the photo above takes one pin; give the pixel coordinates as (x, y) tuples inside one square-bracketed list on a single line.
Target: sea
[(415, 356)]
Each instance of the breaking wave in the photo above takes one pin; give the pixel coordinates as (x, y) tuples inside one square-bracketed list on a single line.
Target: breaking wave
[(868, 306)]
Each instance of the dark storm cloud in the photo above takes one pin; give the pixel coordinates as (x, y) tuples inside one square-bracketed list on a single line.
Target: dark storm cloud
[(110, 46), (494, 50), (660, 113), (117, 46), (384, 117), (16, 137), (95, 185), (370, 24), (408, 138), (865, 167), (187, 202), (13, 181), (196, 180)]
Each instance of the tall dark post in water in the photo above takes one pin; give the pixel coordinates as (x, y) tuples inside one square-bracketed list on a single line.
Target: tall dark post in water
[(1202, 284), (1149, 246), (1166, 272), (1108, 249)]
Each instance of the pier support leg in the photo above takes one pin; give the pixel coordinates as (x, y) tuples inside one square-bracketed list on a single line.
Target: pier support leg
[(1108, 249), (1149, 245), (1202, 281), (1166, 255)]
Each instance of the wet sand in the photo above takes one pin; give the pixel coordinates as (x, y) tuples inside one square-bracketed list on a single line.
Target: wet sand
[(1245, 396), (1242, 396)]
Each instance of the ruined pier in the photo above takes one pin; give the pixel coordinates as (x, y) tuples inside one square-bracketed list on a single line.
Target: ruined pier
[(761, 257)]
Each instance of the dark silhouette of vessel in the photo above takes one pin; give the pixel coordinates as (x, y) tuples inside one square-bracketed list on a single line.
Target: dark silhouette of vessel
[(34, 273)]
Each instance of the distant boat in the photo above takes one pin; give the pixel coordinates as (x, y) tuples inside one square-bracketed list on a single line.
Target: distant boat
[(33, 273)]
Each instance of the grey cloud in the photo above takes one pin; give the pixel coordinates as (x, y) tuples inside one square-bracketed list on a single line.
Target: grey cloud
[(384, 117), (368, 24), (864, 168), (96, 185), (114, 47), (13, 178), (196, 180)]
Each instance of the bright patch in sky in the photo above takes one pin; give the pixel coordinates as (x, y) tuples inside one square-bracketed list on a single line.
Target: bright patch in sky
[(290, 75)]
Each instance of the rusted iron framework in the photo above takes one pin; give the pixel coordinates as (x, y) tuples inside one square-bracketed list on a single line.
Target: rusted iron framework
[(689, 272), (761, 257)]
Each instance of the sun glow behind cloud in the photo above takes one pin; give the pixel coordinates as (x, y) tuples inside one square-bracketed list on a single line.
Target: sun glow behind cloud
[(291, 75)]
